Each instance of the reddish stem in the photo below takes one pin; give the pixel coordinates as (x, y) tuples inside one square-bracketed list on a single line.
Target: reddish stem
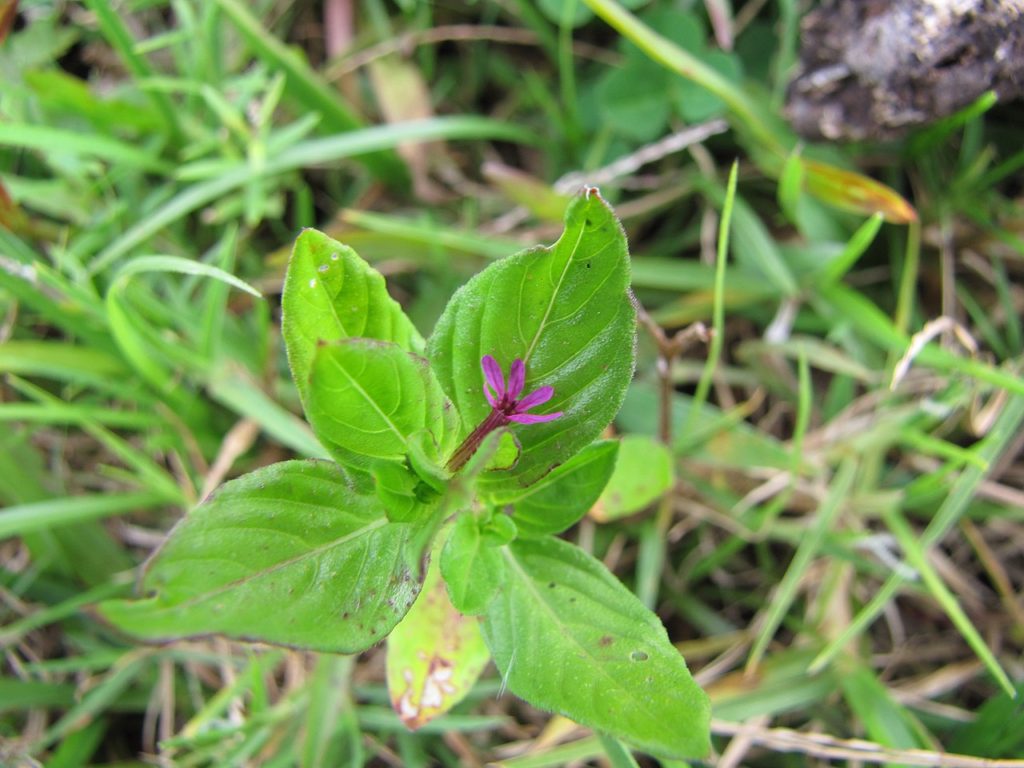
[(470, 445)]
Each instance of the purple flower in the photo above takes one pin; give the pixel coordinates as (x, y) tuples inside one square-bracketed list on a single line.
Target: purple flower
[(503, 399), (505, 407)]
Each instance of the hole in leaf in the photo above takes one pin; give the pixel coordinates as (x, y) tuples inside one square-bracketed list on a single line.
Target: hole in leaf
[(638, 656)]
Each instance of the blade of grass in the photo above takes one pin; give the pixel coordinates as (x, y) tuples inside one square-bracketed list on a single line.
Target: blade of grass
[(573, 753), (117, 34), (214, 311), (914, 549), (908, 279), (45, 139), (854, 249), (66, 413), (235, 390), (783, 685), (331, 713), (41, 515), (308, 153), (567, 75), (432, 233), (840, 301), (128, 334), (756, 248), (16, 695), (81, 365), (886, 721), (809, 547), (206, 718), (307, 87), (924, 443), (618, 754), (148, 472), (76, 750), (1014, 324), (98, 699), (718, 310), (962, 491), (13, 632)]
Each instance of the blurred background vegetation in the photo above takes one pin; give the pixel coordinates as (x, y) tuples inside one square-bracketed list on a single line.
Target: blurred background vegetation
[(828, 508)]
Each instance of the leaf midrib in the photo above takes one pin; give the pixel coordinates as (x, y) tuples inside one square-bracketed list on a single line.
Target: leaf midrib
[(198, 599), (554, 294), (566, 633), (366, 396)]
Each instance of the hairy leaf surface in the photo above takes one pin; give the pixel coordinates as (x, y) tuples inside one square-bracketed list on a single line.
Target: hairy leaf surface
[(472, 566), (568, 637), (435, 655), (287, 554), (565, 311), (563, 496), (330, 294), (642, 474), (372, 399)]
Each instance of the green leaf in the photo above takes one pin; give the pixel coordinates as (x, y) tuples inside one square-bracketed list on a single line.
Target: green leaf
[(754, 248), (858, 243), (791, 182), (718, 438), (998, 730), (21, 519), (292, 537), (178, 265), (49, 139), (884, 720), (472, 566), (563, 496), (331, 294), (696, 103), (563, 310), (573, 12), (568, 637), (404, 495), (632, 98), (643, 473), (370, 399), (435, 655)]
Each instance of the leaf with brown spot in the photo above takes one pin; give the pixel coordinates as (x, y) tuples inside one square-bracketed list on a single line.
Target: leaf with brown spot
[(548, 630), (435, 655), (323, 582)]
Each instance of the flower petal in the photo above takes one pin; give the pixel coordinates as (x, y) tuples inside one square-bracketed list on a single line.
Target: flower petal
[(516, 378), (538, 396), (493, 377), (491, 398), (533, 418)]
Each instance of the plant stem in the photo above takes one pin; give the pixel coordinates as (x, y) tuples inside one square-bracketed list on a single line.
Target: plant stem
[(470, 445)]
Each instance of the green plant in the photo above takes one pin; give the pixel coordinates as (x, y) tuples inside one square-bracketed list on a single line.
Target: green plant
[(444, 446)]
